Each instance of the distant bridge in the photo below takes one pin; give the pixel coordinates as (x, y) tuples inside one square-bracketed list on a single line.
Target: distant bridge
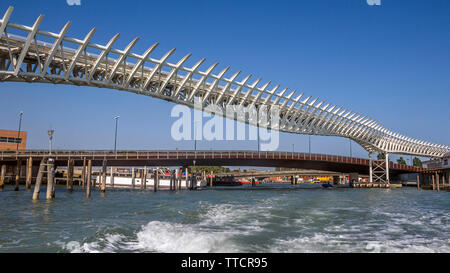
[(47, 57), (322, 162)]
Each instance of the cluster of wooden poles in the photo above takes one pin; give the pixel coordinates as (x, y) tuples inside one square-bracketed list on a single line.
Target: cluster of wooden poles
[(47, 167), (436, 181)]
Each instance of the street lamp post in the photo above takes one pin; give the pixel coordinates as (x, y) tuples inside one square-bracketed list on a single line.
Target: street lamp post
[(18, 134), (115, 137), (50, 139), (195, 135), (350, 147), (309, 144)]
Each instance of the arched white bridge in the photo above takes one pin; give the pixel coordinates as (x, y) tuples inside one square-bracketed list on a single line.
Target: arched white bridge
[(47, 57)]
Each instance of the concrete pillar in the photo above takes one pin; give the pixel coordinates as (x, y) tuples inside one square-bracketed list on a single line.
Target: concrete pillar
[(37, 184), (2, 177), (29, 173), (387, 169), (133, 178), (370, 167), (50, 179), (88, 179), (18, 169)]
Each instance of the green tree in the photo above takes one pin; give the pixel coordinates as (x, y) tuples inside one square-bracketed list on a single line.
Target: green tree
[(417, 162), (381, 156), (208, 169), (401, 161)]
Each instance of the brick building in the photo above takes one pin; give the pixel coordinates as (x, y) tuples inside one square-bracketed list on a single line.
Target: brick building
[(10, 139)]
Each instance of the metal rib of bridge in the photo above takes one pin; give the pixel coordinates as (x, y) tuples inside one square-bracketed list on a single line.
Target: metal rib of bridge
[(34, 59)]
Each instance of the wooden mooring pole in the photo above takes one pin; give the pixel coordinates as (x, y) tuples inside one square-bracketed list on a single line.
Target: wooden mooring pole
[(29, 173), (133, 177), (104, 169), (437, 181), (37, 184), (18, 169), (88, 179), (418, 182), (50, 179), (69, 181), (180, 175), (2, 177), (144, 179), (112, 177), (211, 179), (432, 178), (83, 174), (155, 180)]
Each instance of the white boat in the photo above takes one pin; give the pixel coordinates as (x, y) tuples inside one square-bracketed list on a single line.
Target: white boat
[(127, 182)]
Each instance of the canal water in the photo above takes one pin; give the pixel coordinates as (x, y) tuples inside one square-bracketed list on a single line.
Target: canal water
[(279, 219)]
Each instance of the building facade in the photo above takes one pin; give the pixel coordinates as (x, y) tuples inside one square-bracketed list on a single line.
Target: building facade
[(10, 139)]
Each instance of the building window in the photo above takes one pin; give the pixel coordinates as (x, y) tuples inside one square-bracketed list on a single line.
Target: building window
[(10, 140)]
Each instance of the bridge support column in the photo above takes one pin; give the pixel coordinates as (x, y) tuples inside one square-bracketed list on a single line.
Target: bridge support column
[(37, 184), (29, 173), (18, 170), (133, 177), (370, 168), (50, 179), (88, 179), (2, 177)]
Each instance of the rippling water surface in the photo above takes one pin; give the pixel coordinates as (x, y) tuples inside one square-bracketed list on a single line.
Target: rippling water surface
[(280, 219)]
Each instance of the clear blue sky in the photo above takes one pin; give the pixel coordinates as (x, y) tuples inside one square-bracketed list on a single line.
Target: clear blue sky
[(391, 62)]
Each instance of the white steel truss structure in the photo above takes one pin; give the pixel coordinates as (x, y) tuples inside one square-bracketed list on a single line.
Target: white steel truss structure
[(47, 57)]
